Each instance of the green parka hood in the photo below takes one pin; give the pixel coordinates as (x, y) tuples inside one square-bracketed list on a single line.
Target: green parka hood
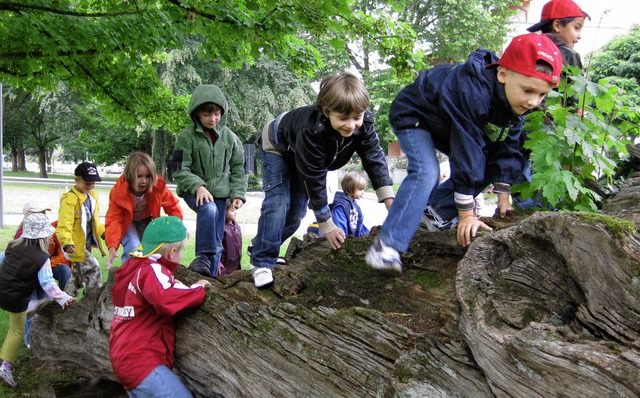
[(207, 93)]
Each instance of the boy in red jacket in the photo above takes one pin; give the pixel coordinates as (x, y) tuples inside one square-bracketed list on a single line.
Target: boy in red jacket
[(146, 297)]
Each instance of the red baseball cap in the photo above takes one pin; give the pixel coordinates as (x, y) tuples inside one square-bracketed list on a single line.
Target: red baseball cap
[(525, 50), (558, 9)]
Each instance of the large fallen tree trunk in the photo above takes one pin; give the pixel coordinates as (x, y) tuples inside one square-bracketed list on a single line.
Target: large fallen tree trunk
[(330, 327), (551, 308), (547, 307)]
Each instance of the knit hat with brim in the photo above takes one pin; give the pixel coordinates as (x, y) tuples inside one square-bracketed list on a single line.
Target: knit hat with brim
[(36, 226), (168, 229)]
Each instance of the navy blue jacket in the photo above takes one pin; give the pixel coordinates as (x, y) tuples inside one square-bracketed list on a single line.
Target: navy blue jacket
[(465, 109), (305, 136), (346, 214)]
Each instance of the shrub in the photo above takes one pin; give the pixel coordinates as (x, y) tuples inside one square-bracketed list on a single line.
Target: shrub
[(573, 148)]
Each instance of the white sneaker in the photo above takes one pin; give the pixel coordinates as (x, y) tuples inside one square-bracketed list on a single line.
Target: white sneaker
[(7, 376), (262, 276), (384, 258), (36, 305), (281, 261)]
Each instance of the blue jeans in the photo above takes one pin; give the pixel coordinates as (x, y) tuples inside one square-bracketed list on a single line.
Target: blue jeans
[(443, 202), (283, 208), (161, 383), (533, 202), (61, 273), (210, 219), (423, 172), (133, 236)]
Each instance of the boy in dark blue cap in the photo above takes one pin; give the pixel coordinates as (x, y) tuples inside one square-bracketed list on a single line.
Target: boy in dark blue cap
[(146, 296), (79, 229), (473, 112)]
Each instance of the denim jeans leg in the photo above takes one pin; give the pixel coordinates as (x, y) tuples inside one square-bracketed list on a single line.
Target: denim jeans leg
[(423, 172), (205, 219), (61, 273), (299, 204), (218, 230), (210, 218), (274, 214), (161, 383), (27, 332), (130, 242), (443, 202)]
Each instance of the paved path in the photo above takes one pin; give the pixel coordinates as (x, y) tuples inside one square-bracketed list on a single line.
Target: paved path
[(15, 197)]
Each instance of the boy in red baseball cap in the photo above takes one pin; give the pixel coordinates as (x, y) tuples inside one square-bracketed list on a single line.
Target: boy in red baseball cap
[(562, 22), (473, 112)]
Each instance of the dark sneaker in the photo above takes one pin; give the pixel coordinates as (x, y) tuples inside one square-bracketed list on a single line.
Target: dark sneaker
[(384, 258), (434, 222), (201, 265)]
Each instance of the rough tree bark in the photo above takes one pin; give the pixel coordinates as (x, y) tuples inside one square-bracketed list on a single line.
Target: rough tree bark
[(548, 305)]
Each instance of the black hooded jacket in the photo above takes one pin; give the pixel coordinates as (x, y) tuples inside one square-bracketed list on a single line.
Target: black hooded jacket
[(305, 136)]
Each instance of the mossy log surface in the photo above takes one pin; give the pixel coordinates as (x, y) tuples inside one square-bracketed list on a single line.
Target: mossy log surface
[(544, 305)]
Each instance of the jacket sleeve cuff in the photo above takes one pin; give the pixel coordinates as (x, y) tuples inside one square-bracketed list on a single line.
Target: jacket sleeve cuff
[(327, 226), (501, 187), (463, 202), (385, 193)]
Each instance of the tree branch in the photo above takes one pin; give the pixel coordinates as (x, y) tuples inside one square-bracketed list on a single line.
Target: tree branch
[(17, 7), (196, 11), (40, 54)]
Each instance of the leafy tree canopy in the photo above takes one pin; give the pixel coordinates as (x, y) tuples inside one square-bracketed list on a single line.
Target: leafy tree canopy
[(619, 60), (108, 48), (444, 31)]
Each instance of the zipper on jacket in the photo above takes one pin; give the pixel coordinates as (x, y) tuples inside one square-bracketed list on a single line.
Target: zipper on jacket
[(339, 150)]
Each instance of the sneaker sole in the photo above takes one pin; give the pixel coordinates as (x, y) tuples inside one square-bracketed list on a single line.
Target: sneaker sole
[(268, 284), (394, 270), (265, 284)]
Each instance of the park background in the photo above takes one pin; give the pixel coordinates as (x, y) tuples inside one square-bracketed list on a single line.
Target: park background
[(63, 107)]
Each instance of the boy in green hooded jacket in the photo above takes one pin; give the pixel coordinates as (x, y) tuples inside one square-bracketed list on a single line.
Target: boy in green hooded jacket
[(208, 164)]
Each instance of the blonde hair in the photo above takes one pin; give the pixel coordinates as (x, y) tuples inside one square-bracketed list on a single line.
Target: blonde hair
[(43, 243), (135, 160), (342, 93), (166, 247), (353, 182)]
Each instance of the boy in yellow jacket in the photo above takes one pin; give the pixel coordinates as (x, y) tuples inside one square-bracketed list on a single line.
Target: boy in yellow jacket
[(79, 229)]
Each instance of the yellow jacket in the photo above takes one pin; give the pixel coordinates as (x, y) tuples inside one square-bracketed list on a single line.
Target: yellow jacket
[(72, 221)]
